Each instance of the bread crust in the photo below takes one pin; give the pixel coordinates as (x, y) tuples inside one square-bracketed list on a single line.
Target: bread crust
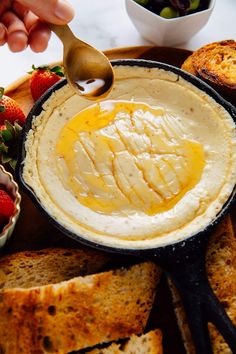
[(188, 66), (215, 63), (77, 313), (149, 343), (51, 265)]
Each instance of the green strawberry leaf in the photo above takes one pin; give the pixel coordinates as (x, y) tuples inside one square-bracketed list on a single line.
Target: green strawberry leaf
[(9, 139), (1, 92), (3, 148), (12, 163), (60, 74), (17, 126), (57, 70), (2, 108), (6, 135), (5, 159), (17, 130), (9, 127), (43, 67)]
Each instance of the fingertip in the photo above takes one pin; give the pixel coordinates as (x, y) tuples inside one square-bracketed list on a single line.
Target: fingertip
[(3, 34), (2, 31), (53, 11), (17, 36), (63, 11), (39, 37), (2, 42), (17, 41)]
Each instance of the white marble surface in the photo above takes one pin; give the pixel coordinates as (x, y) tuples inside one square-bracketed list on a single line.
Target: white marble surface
[(105, 24)]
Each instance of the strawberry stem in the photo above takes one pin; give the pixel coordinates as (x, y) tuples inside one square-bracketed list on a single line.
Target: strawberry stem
[(2, 108), (56, 69), (1, 92)]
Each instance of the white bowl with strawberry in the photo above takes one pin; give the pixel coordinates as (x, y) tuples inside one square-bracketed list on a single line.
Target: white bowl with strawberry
[(9, 205), (12, 118)]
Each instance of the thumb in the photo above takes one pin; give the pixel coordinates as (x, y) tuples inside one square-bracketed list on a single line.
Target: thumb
[(53, 11)]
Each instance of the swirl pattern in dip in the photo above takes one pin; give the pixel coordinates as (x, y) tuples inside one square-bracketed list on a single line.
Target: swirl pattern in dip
[(152, 164)]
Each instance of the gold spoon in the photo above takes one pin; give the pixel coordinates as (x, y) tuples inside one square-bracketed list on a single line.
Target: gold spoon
[(88, 71)]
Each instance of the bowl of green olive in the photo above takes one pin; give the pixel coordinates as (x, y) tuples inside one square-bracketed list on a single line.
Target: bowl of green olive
[(169, 22)]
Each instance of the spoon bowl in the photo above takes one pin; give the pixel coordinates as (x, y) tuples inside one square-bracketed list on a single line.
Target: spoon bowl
[(88, 71)]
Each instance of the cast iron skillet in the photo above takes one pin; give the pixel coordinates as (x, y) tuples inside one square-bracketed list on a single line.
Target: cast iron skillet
[(184, 261)]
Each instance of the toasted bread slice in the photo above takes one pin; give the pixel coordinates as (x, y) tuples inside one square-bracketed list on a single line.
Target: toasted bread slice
[(56, 310), (48, 266), (188, 66), (215, 63), (221, 269), (149, 343)]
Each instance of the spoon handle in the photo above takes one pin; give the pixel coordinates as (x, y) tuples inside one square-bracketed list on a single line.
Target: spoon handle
[(63, 32), (188, 274), (202, 306)]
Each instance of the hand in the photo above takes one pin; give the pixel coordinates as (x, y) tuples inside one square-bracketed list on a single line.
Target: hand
[(22, 22)]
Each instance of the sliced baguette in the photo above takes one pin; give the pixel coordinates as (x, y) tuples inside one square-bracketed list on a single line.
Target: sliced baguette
[(68, 312), (149, 343), (216, 64), (188, 66), (48, 266), (221, 269)]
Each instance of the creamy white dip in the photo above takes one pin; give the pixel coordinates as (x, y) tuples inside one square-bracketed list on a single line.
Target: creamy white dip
[(151, 164)]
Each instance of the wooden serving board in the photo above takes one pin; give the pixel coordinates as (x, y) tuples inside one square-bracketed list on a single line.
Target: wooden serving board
[(33, 231)]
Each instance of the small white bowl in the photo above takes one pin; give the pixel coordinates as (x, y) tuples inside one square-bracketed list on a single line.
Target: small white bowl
[(167, 32), (11, 187)]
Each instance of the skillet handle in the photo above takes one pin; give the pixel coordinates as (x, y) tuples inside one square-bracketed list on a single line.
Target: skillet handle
[(199, 301)]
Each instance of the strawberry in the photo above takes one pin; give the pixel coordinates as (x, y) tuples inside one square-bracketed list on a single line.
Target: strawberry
[(42, 78), (10, 110), (6, 207)]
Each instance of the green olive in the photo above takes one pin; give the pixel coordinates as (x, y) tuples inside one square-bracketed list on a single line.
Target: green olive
[(194, 4), (169, 12), (142, 2)]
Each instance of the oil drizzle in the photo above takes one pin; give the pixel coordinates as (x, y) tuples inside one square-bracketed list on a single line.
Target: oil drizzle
[(127, 157)]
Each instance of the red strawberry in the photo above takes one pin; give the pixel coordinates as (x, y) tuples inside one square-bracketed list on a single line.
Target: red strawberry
[(10, 110), (6, 207), (43, 78)]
